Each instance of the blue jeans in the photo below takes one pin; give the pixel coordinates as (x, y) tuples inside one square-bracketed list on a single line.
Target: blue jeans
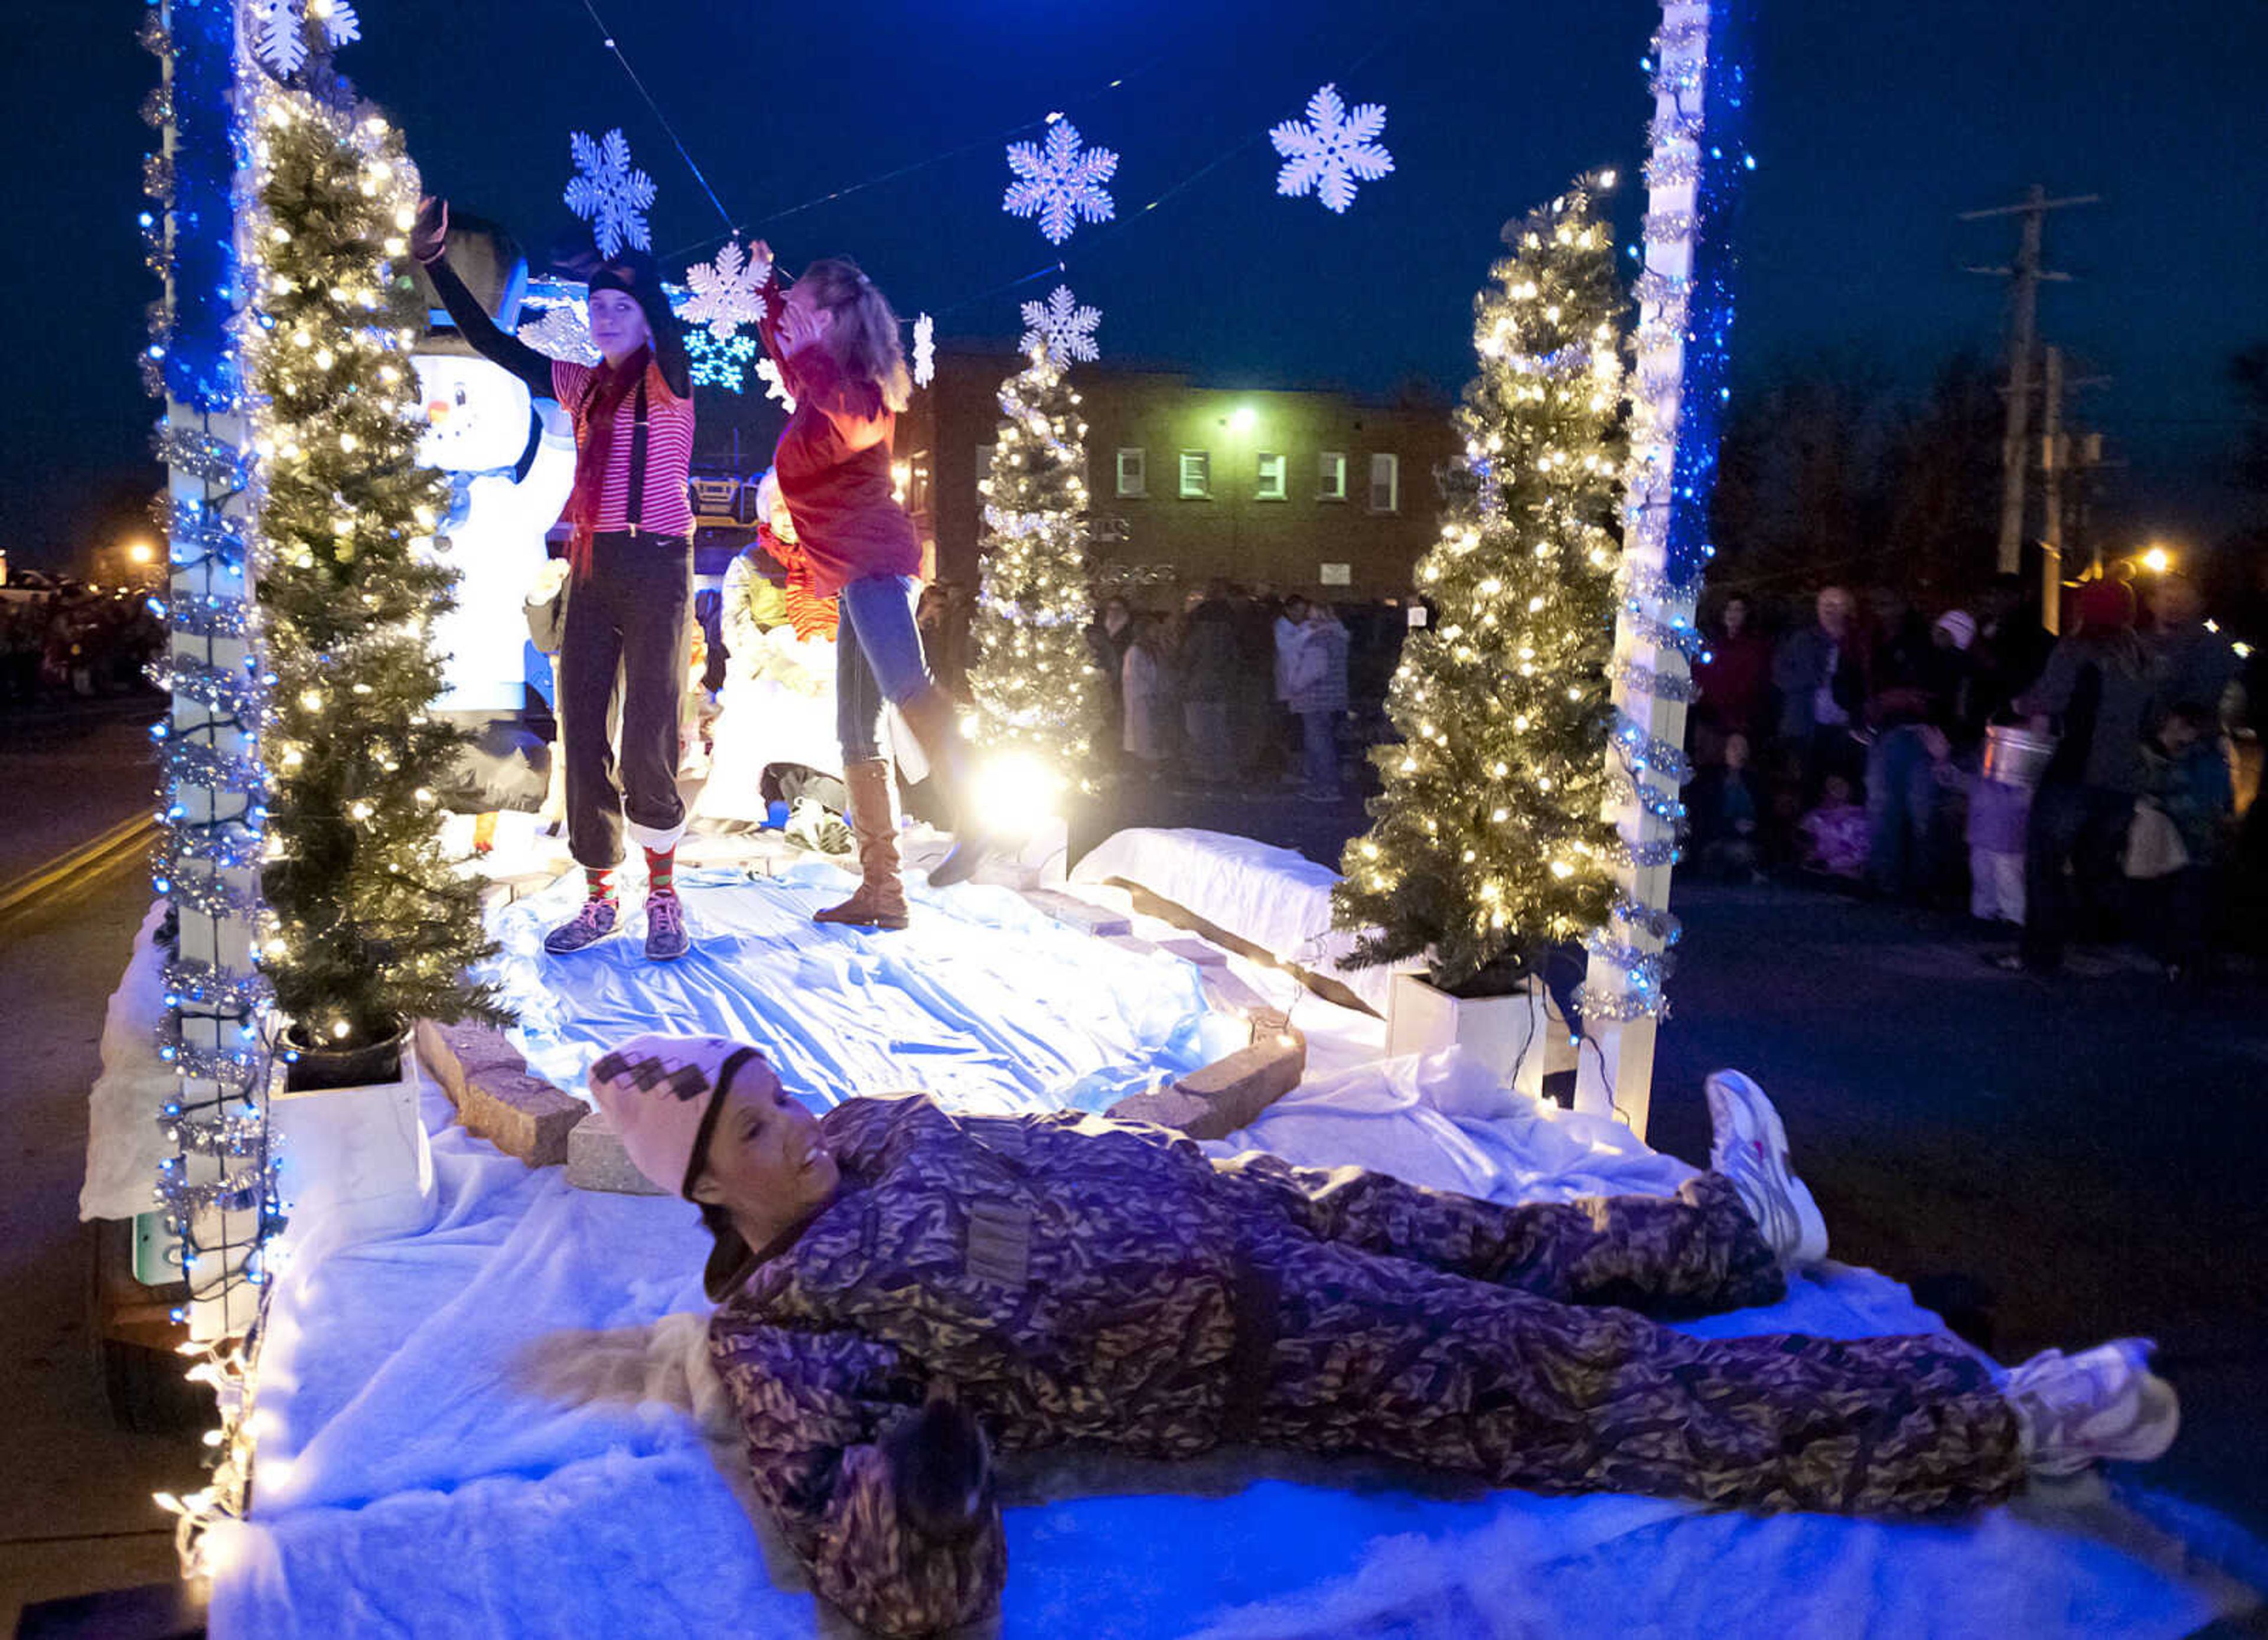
[(878, 658), (1900, 805)]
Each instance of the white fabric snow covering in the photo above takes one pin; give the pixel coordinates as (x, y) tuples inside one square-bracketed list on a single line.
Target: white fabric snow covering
[(1266, 896), (124, 1145), (506, 1426)]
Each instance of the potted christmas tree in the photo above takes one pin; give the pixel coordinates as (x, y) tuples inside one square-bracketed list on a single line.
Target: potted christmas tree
[(1036, 692), (1489, 850), (368, 926)]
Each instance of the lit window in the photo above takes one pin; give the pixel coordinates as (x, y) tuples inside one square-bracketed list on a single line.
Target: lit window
[(1331, 475), (1133, 472), (1268, 479), (1386, 483), (1197, 475)]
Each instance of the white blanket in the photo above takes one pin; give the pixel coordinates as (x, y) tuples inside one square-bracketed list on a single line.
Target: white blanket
[(1266, 896), (425, 1467)]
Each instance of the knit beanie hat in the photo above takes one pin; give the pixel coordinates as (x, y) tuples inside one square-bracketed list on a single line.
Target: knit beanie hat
[(1960, 626), (2106, 605), (662, 1093)]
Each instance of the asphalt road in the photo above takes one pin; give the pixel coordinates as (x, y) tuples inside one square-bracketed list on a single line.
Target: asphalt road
[(77, 1515)]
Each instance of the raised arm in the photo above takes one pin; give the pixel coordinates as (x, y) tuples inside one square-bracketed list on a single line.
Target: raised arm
[(428, 242), (889, 1503)]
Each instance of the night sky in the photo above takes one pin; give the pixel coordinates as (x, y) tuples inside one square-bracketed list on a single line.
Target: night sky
[(1875, 124)]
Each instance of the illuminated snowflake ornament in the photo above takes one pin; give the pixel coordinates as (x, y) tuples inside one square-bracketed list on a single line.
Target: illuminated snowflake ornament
[(925, 351), (561, 333), (279, 30), (768, 372), (1066, 329), (1326, 153), (718, 362), (609, 192), (727, 293), (1059, 181)]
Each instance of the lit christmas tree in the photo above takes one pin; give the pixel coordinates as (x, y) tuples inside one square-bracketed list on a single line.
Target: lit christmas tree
[(1038, 700), (1490, 846), (369, 926)]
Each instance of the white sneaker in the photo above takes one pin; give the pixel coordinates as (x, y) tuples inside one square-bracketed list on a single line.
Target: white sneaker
[(1748, 1146), (2106, 1404)]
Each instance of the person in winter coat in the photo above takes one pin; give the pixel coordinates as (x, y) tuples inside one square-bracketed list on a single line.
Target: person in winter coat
[(1289, 627), (1208, 666), (1318, 699), (1821, 674), (1144, 686), (1736, 681), (629, 602), (835, 338), (2099, 687), (902, 1291)]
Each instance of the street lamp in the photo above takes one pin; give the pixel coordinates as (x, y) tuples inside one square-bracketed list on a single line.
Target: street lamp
[(2157, 560), (142, 552)]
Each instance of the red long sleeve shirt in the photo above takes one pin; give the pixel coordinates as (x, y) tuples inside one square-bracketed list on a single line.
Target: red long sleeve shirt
[(834, 466)]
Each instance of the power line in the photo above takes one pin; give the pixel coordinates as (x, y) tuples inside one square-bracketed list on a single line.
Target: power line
[(607, 38)]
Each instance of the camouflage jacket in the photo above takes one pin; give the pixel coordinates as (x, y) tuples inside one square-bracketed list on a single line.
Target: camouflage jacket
[(1066, 1278)]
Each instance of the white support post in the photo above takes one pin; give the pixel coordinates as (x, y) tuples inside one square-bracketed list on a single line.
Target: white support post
[(1618, 1078), (209, 595)]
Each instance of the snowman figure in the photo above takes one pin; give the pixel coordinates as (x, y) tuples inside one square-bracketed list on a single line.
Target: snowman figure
[(511, 462)]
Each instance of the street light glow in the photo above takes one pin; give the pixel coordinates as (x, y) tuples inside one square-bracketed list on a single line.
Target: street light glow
[(1243, 419), (2157, 561), (141, 552)]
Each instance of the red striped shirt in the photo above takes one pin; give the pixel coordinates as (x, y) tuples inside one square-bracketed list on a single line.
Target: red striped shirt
[(668, 509)]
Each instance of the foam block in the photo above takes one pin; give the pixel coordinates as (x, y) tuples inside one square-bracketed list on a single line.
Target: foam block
[(496, 1095), (1078, 914), (1230, 1093), (597, 1161)]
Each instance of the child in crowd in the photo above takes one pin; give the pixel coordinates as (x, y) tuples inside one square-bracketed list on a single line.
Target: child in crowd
[(2190, 779), (1998, 815), (1835, 833), (1727, 815)]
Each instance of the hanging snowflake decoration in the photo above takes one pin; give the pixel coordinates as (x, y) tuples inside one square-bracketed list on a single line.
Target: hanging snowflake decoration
[(1066, 330), (925, 351), (561, 333), (768, 372), (279, 30), (1060, 182), (1325, 155), (727, 293), (720, 362), (609, 192)]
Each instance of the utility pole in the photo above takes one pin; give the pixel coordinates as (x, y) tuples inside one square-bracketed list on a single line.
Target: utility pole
[(2027, 275), (2052, 530)]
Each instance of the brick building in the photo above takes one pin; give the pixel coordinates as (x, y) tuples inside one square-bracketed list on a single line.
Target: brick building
[(1308, 491)]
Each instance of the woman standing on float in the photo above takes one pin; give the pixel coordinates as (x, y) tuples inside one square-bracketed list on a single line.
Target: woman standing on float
[(630, 596), (836, 340)]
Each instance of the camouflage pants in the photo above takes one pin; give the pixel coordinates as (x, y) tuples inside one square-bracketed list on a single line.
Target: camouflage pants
[(1516, 1374)]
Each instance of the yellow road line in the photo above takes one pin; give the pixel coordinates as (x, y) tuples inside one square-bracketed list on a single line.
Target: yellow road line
[(91, 857)]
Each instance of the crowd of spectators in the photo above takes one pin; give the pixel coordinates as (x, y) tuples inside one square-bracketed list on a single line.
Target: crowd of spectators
[(67, 643), (2075, 788), (1243, 688)]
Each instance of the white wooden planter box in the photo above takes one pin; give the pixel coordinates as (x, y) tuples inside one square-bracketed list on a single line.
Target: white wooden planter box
[(357, 1162), (1521, 1038)]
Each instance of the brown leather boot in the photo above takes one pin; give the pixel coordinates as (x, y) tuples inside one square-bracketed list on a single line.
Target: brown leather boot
[(880, 900), (930, 715)]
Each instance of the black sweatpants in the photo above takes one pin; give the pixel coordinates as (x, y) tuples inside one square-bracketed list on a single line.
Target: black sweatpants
[(633, 614)]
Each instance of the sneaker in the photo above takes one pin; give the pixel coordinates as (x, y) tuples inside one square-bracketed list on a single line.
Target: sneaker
[(594, 922), (1748, 1146), (2106, 1404), (665, 939)]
